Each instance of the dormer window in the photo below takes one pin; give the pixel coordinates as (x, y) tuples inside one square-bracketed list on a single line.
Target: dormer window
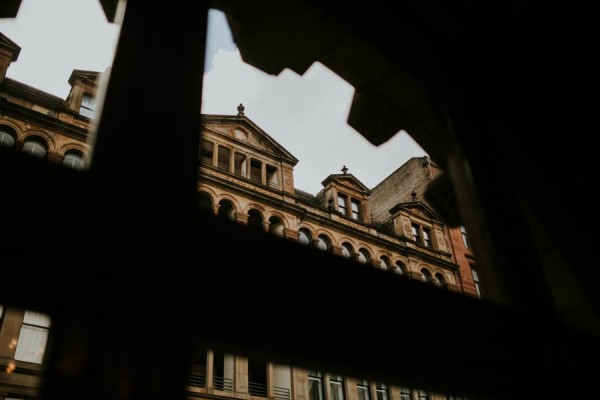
[(88, 106)]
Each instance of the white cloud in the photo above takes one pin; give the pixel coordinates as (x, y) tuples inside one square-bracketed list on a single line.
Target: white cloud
[(307, 115), (57, 37)]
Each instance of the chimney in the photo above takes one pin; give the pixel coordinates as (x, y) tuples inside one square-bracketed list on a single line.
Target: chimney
[(9, 52)]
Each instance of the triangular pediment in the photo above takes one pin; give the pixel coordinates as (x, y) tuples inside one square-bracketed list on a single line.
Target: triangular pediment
[(6, 43), (86, 76), (417, 208), (347, 180), (242, 130)]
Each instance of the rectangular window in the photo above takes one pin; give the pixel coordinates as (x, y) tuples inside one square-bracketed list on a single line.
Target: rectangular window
[(405, 393), (33, 337), (206, 152), (271, 176), (381, 391), (423, 395), (465, 237), (315, 385), (363, 389), (427, 238), (355, 209), (416, 232), (476, 281), (88, 106), (255, 171), (342, 204), (223, 158), (336, 387), (239, 164)]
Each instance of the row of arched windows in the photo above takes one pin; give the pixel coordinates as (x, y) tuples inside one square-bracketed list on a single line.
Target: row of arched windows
[(37, 147), (276, 226)]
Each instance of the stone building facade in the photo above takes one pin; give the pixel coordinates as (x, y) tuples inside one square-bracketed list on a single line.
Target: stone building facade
[(245, 175)]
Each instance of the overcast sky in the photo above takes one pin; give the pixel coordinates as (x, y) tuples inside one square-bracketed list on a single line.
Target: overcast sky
[(305, 114)]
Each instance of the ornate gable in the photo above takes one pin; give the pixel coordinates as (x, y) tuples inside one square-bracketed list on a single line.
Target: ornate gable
[(242, 129)]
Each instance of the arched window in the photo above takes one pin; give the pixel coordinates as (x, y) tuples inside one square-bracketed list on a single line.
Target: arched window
[(276, 226), (255, 219), (426, 276), (74, 159), (439, 281), (35, 147), (400, 268), (7, 137), (226, 210), (384, 263), (347, 250), (323, 243), (304, 237), (204, 202), (363, 256)]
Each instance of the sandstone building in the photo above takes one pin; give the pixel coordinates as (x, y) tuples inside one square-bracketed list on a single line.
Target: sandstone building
[(246, 176)]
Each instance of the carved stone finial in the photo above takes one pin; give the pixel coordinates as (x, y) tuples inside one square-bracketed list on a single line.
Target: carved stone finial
[(344, 170), (241, 109)]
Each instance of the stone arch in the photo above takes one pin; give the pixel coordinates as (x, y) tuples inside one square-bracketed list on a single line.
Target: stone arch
[(14, 128), (41, 135)]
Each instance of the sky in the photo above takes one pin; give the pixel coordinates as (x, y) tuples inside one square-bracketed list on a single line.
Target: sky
[(305, 114)]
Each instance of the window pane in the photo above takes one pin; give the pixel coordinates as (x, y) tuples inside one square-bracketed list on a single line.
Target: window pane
[(36, 318), (337, 388), (34, 148), (31, 344), (315, 387), (303, 238), (6, 139), (323, 244), (73, 161)]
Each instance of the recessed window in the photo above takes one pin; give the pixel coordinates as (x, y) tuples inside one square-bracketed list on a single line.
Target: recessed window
[(347, 251), (74, 160), (336, 386), (363, 389), (226, 210), (240, 164), (323, 243), (256, 170), (476, 281), (342, 204), (427, 238), (355, 204), (206, 152), (363, 256), (384, 263), (223, 155), (416, 232), (405, 393), (33, 337), (439, 281), (400, 268), (315, 385), (304, 237), (7, 139), (423, 395), (276, 226), (204, 202), (255, 220), (426, 276), (381, 391), (271, 176), (465, 237), (88, 106), (35, 147)]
